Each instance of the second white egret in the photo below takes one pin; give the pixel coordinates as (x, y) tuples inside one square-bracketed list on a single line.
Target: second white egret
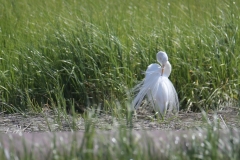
[(157, 87)]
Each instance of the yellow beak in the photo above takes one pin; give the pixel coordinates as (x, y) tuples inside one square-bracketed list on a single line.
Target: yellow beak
[(162, 70)]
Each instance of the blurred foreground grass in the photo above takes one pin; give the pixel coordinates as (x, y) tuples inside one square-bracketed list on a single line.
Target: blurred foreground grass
[(208, 142)]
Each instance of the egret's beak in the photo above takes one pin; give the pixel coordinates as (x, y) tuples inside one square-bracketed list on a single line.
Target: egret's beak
[(162, 69)]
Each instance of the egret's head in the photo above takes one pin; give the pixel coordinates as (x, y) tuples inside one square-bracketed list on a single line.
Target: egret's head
[(162, 57)]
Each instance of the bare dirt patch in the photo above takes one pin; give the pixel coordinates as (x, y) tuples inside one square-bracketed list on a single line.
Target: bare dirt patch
[(49, 121)]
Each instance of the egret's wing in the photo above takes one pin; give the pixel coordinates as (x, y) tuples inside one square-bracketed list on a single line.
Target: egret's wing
[(149, 82), (153, 69)]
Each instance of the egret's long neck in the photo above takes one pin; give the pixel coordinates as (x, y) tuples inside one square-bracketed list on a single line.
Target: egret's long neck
[(167, 69)]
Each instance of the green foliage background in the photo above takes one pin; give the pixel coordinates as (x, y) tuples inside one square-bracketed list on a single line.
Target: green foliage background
[(94, 52)]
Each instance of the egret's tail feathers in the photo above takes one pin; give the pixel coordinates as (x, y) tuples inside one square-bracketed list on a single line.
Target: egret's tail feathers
[(173, 98), (139, 97), (144, 88)]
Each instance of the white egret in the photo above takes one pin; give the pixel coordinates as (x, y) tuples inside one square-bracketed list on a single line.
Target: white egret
[(157, 87)]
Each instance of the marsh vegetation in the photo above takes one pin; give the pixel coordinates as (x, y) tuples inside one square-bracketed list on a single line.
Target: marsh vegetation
[(73, 56)]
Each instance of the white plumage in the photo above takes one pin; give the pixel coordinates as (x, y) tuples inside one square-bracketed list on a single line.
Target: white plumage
[(157, 87)]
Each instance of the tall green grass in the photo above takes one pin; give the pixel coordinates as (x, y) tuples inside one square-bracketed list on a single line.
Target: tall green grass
[(94, 52)]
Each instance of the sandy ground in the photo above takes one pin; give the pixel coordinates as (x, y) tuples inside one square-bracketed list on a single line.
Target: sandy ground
[(39, 131), (49, 121)]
